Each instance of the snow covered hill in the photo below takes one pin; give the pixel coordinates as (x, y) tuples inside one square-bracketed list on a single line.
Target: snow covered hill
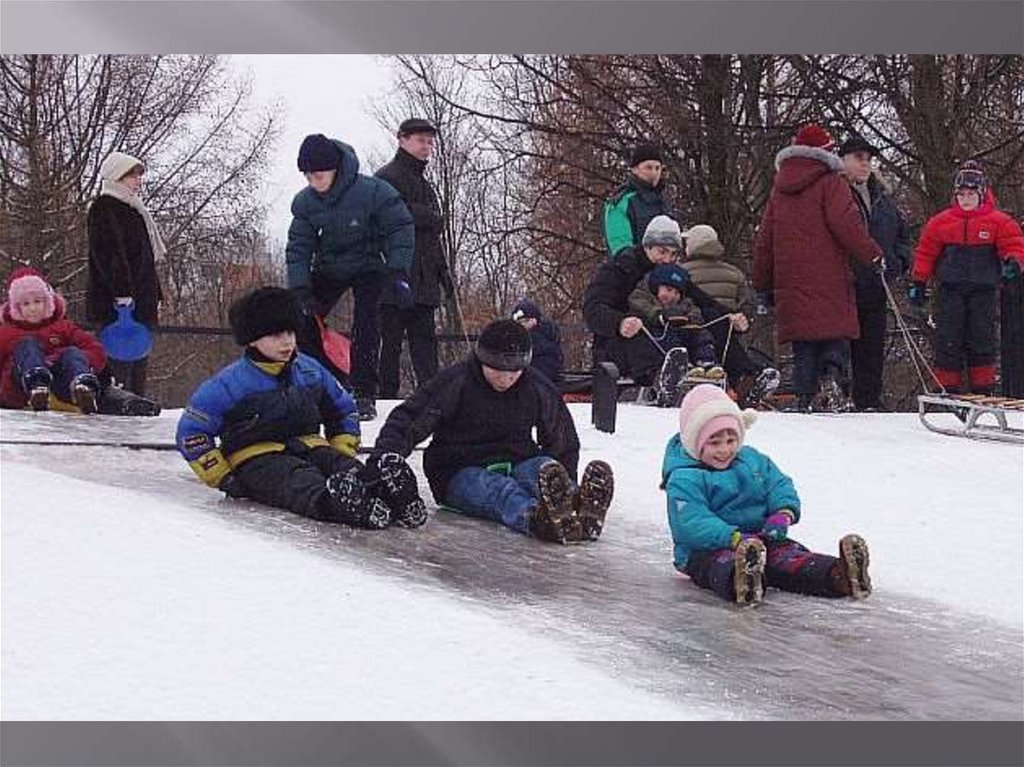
[(132, 592)]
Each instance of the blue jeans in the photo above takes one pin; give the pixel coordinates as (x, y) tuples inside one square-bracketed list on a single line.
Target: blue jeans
[(506, 499), (812, 360), (30, 366)]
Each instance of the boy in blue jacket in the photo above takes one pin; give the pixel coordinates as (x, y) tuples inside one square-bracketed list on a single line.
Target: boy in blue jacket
[(730, 508), (253, 429)]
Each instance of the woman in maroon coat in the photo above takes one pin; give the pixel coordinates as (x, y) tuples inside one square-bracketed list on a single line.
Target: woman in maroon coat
[(809, 234)]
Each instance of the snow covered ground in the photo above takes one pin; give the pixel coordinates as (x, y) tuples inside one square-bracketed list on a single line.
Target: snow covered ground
[(124, 597)]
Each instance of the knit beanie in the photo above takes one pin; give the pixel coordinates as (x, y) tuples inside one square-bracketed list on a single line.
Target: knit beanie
[(505, 345), (971, 176), (26, 283), (702, 240), (663, 230), (643, 153), (117, 165), (265, 312), (813, 135), (318, 152), (525, 309), (668, 274), (705, 410)]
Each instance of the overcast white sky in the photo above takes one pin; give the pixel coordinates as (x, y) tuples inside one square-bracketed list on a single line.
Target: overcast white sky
[(318, 94)]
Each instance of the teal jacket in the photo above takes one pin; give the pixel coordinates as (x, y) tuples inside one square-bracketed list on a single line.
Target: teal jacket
[(360, 225), (705, 505)]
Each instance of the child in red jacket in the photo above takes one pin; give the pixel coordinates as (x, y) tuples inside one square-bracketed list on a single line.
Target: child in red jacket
[(42, 352), (966, 248)]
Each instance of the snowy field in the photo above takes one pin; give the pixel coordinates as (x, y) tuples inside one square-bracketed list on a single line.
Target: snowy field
[(129, 591)]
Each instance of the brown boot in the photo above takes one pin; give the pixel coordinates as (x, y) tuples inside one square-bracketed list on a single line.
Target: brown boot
[(552, 518), (593, 499), (853, 561), (748, 571)]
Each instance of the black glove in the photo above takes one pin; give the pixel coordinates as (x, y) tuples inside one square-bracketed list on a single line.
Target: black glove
[(916, 295), (308, 301), (403, 293), (231, 486)]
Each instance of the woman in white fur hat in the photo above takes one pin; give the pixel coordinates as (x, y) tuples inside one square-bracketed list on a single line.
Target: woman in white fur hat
[(124, 248)]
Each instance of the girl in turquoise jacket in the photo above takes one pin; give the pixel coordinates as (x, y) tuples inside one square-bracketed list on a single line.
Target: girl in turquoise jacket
[(730, 508)]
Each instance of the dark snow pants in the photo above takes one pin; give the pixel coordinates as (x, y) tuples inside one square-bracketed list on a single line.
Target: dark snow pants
[(416, 324), (295, 479), (812, 360), (790, 567)]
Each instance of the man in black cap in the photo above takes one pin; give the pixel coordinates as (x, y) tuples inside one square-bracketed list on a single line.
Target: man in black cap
[(348, 232), (637, 201), (429, 271), (483, 460), (889, 229)]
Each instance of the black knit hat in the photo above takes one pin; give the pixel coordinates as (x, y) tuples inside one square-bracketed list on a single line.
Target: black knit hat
[(856, 144), (505, 345), (318, 153), (264, 312), (970, 176), (416, 125), (643, 152)]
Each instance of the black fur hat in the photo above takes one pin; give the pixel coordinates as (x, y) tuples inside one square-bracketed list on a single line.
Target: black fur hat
[(505, 345), (264, 312)]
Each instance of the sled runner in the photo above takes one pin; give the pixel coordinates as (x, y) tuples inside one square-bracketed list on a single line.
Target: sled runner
[(969, 409)]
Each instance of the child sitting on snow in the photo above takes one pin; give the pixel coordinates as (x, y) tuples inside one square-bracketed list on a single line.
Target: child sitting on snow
[(674, 320), (253, 429), (730, 509), (42, 352)]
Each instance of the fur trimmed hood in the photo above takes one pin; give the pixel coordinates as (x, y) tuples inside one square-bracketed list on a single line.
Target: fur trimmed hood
[(800, 166)]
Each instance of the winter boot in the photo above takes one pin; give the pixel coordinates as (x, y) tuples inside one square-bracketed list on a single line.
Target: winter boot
[(714, 372), (552, 518), (84, 391), (853, 567), (833, 400), (351, 504), (748, 571), (400, 490), (670, 379), (367, 407), (763, 387), (36, 383), (593, 498)]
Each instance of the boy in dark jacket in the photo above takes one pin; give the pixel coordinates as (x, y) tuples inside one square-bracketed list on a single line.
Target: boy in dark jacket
[(348, 232), (41, 351), (637, 201), (547, 341), (483, 460), (966, 248), (253, 429)]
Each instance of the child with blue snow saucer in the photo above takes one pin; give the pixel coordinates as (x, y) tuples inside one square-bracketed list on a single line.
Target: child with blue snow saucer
[(730, 509)]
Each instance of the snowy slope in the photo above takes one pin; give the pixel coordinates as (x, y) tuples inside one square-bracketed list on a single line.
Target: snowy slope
[(131, 592)]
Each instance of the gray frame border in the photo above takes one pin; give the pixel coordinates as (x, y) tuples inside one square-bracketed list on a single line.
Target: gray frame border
[(512, 26)]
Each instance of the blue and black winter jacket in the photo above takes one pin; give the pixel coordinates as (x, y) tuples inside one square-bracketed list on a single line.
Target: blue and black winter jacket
[(251, 408), (360, 225)]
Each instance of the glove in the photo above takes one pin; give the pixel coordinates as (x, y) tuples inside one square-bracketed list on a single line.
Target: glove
[(305, 296), (776, 526), (346, 444), (765, 300), (231, 486), (1011, 269), (737, 536), (916, 295), (403, 293)]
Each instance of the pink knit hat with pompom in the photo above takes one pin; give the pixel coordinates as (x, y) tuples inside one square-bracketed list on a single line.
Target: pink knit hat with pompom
[(26, 283), (705, 410)]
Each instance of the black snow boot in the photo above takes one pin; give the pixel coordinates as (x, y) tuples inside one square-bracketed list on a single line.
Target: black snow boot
[(593, 499), (351, 503), (552, 518), (398, 487)]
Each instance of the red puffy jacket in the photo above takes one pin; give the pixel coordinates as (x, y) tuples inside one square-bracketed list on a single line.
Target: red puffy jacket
[(56, 333), (810, 232), (964, 247)]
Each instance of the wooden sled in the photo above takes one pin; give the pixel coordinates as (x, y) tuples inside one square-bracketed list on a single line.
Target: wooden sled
[(969, 409)]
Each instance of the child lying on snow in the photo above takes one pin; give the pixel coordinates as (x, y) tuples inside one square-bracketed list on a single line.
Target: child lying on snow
[(730, 509)]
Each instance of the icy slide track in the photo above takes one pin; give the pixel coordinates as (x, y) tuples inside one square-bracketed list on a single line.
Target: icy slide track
[(618, 604)]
